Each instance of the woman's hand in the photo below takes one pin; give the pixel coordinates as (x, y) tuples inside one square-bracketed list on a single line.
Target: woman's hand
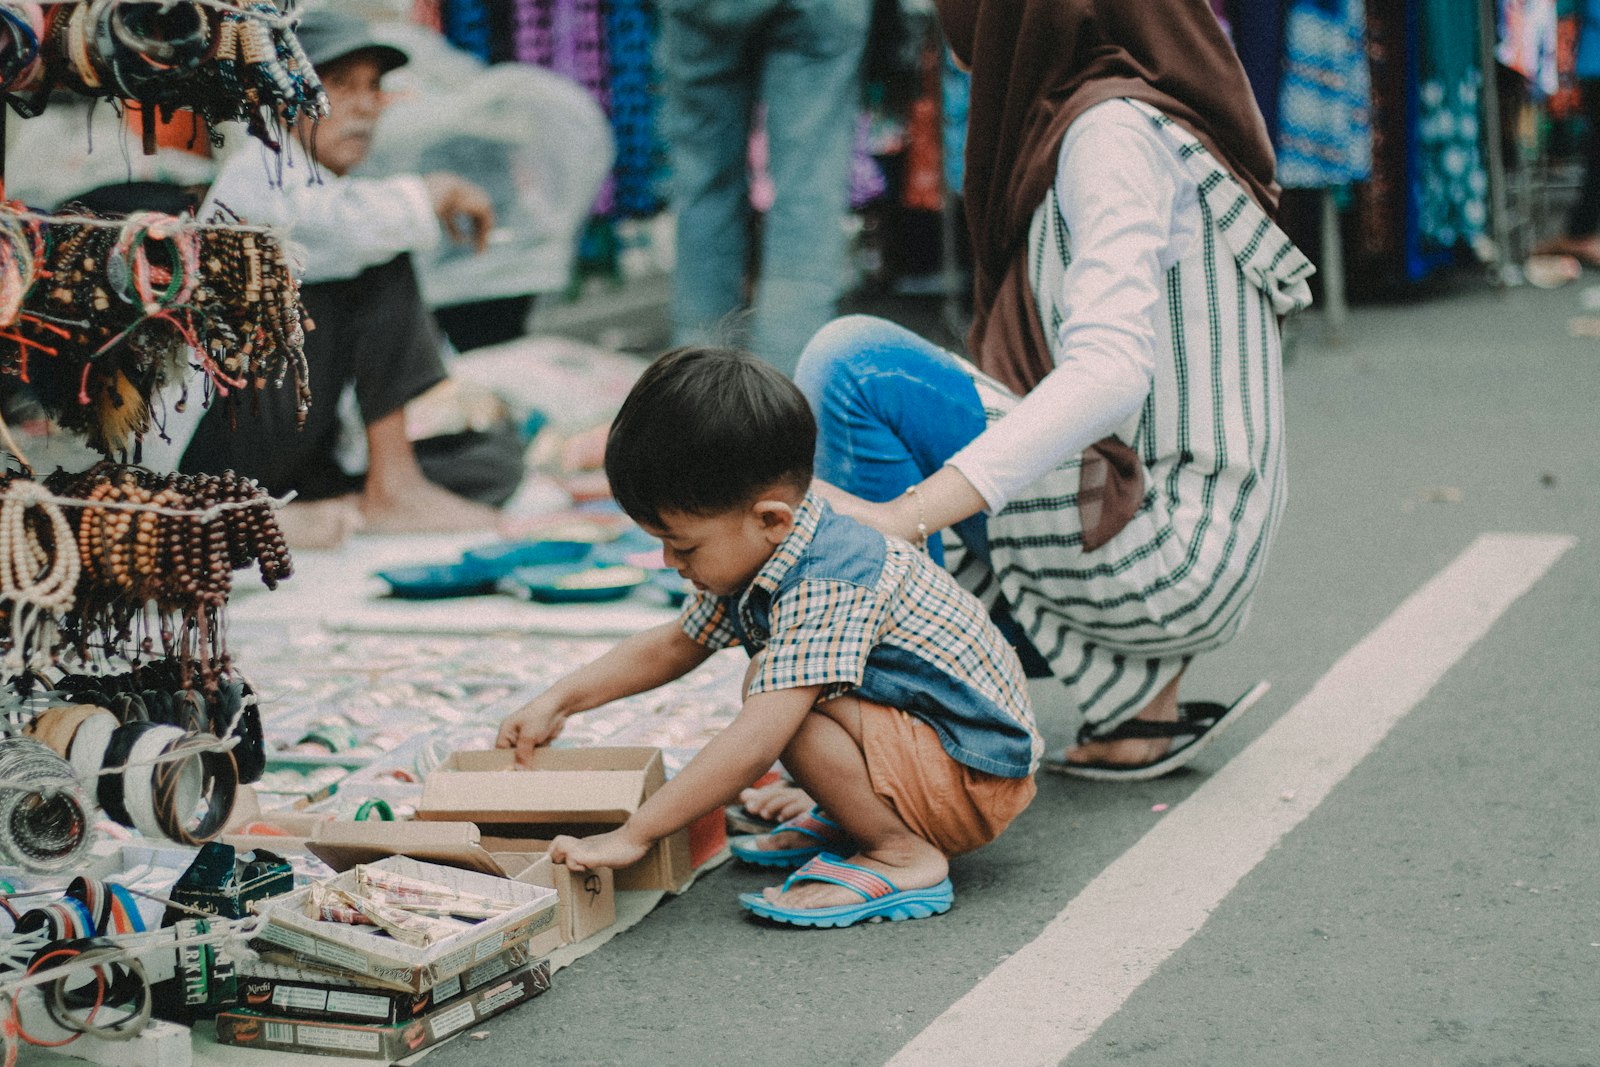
[(887, 518), (943, 498)]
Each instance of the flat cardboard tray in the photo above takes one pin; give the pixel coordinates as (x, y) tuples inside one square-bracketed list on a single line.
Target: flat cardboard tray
[(587, 902), (362, 952)]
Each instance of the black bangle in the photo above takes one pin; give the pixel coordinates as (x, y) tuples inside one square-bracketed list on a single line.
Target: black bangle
[(219, 788), (110, 791)]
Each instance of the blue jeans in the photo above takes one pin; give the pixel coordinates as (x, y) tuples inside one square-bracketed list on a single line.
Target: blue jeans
[(891, 409), (802, 58)]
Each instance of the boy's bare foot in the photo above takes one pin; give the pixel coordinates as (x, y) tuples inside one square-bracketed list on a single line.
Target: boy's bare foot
[(422, 507), (319, 523), (914, 864), (777, 801), (1134, 751)]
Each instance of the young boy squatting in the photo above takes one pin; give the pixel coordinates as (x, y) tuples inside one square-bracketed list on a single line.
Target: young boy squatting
[(883, 686)]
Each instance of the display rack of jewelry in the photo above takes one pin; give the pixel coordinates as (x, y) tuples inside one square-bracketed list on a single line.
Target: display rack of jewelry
[(120, 698)]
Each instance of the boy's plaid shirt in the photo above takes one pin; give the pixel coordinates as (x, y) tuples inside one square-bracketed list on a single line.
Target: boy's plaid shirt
[(842, 606)]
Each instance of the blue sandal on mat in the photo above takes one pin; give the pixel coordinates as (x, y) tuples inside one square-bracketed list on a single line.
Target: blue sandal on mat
[(879, 897), (813, 824)]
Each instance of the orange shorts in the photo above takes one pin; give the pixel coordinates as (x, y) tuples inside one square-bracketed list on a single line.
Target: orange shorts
[(946, 803)]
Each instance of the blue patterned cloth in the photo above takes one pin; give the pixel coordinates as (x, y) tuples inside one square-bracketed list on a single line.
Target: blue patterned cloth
[(1325, 101), (957, 100), (641, 167), (1451, 185)]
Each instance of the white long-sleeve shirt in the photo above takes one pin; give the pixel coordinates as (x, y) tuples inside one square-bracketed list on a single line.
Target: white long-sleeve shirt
[(341, 225), (1131, 210), (336, 230)]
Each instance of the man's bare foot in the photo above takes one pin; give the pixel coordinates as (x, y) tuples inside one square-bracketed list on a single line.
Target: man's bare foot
[(320, 523), (1134, 751), (1585, 250), (777, 801), (910, 864), (422, 507)]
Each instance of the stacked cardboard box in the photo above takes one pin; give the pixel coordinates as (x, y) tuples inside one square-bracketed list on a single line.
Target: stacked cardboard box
[(336, 989), (577, 791)]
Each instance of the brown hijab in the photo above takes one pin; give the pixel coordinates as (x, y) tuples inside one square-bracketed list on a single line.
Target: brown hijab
[(1036, 66)]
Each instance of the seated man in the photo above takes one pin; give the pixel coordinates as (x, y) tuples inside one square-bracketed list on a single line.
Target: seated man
[(372, 329)]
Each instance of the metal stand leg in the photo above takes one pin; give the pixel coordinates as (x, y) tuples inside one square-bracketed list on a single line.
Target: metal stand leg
[(1505, 269), (1336, 309)]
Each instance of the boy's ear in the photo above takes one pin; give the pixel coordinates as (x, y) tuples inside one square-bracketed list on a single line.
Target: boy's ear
[(775, 517)]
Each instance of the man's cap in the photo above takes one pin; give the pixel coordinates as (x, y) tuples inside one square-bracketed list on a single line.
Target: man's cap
[(328, 36)]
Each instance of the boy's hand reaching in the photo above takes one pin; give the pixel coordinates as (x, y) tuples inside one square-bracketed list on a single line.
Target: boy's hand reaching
[(619, 848), (536, 723)]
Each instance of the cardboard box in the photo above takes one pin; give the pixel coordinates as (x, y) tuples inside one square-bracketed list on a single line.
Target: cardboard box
[(708, 836), (383, 1042), (580, 791), (247, 813), (587, 902), (361, 951), (280, 989)]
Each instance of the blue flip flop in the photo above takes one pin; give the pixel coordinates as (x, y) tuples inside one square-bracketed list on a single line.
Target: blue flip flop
[(813, 824), (880, 900)]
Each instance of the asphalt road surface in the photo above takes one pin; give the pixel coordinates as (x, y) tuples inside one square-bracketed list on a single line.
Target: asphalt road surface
[(1392, 860)]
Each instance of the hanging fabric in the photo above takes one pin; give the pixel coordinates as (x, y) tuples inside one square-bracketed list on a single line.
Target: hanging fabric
[(1566, 103), (1451, 182), (1325, 134), (1381, 199), (568, 37), (924, 189), (630, 33), (957, 100), (1257, 27), (428, 14), (466, 25), (1527, 34)]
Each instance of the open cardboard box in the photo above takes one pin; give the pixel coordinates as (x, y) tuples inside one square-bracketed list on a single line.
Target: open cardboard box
[(247, 816), (587, 902), (580, 791)]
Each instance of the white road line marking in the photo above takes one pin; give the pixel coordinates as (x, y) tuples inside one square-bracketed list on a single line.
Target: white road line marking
[(1053, 994)]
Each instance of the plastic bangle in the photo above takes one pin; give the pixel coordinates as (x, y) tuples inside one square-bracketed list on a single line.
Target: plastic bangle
[(57, 726), (39, 960), (125, 911), (376, 804), (88, 750), (122, 982), (112, 785), (219, 787), (138, 787)]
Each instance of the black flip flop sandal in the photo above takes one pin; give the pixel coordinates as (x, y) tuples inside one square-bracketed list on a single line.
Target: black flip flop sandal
[(1199, 722), (742, 821)]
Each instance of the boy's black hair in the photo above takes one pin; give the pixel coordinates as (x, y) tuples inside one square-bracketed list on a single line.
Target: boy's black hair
[(703, 431)]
